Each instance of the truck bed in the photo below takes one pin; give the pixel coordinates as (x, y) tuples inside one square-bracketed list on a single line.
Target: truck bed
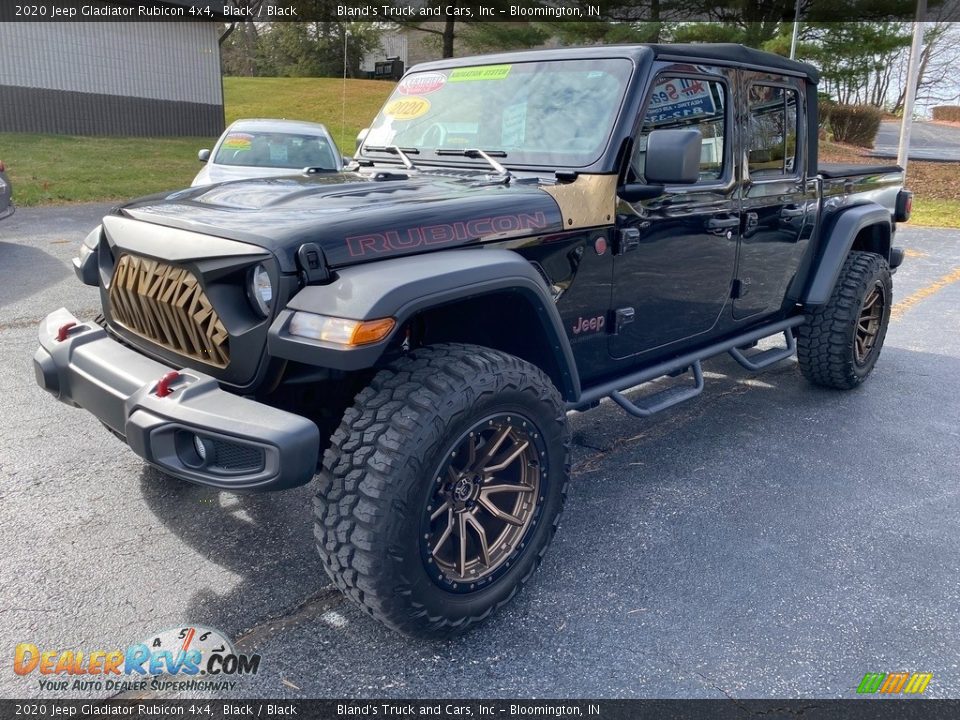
[(837, 170)]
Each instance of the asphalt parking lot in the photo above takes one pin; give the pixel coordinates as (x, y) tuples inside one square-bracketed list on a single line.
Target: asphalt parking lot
[(928, 141), (768, 539)]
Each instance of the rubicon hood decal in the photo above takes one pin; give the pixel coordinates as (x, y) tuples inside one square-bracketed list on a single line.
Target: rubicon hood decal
[(356, 217), (481, 228)]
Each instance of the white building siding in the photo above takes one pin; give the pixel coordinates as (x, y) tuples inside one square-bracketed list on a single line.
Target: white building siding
[(161, 61)]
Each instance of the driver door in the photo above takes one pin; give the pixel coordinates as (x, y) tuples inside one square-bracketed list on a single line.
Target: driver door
[(676, 254)]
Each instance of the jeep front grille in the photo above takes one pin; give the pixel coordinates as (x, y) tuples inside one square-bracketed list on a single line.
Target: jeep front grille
[(166, 305)]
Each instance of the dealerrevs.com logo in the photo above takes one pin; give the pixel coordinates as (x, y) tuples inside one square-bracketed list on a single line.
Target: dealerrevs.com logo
[(187, 658)]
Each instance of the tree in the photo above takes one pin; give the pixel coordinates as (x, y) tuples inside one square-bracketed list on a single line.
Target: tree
[(315, 49), (750, 22), (938, 63), (239, 40), (855, 58), (447, 28), (253, 6), (618, 21)]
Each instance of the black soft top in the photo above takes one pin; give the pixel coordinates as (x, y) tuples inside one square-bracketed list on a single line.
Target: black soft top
[(733, 54), (724, 53)]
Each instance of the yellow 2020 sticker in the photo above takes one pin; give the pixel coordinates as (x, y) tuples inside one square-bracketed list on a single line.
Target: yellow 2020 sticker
[(407, 108)]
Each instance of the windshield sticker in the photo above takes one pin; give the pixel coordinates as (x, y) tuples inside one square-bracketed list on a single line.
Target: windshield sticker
[(278, 152), (238, 141), (382, 135), (422, 83), (485, 72), (514, 125), (407, 108)]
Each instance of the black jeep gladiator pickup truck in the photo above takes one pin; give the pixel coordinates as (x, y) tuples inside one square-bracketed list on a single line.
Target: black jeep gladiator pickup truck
[(518, 236)]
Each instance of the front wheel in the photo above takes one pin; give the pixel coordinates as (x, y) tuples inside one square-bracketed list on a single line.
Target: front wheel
[(443, 487), (840, 342)]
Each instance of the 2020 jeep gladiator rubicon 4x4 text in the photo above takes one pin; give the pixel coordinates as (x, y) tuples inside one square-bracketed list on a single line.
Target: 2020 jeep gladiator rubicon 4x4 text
[(519, 236)]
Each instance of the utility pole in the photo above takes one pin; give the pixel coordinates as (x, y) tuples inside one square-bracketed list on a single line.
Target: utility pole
[(796, 26), (906, 123)]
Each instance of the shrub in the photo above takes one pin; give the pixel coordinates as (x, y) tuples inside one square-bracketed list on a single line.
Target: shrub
[(824, 107), (947, 112), (855, 124)]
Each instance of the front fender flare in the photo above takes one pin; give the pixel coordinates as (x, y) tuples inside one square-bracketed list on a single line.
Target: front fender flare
[(402, 287)]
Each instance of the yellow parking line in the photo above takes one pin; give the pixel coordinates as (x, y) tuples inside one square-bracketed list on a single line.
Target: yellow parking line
[(923, 293), (910, 253)]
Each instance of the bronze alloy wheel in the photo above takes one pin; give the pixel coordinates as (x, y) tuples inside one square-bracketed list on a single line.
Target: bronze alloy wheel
[(868, 323), (443, 487), (486, 500)]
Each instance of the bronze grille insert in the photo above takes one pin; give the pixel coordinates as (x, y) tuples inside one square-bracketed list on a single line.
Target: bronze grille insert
[(166, 305)]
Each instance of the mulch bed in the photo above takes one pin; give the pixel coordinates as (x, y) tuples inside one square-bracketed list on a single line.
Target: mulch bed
[(934, 180)]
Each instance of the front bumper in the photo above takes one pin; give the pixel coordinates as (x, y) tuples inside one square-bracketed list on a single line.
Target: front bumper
[(248, 445)]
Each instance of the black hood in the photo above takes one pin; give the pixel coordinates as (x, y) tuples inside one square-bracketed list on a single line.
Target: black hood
[(357, 217)]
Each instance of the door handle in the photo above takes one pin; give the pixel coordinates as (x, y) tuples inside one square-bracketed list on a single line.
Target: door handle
[(718, 225), (627, 240), (790, 212)]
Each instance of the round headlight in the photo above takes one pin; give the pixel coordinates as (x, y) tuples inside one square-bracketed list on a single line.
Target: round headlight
[(261, 290)]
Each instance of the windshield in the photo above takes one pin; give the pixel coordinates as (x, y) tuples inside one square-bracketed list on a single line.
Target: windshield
[(556, 113), (276, 150)]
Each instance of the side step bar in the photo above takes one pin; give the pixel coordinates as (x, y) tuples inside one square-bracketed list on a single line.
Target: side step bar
[(663, 399), (766, 358), (672, 396)]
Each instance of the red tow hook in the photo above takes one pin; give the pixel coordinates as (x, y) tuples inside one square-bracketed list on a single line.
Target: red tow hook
[(163, 386), (65, 330)]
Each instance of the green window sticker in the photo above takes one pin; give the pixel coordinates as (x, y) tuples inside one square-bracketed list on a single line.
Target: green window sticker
[(484, 72)]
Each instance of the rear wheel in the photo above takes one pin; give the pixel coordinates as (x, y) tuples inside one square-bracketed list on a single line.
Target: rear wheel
[(839, 344), (443, 487)]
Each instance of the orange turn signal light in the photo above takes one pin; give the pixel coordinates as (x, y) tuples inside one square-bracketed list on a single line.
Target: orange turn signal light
[(340, 331), (371, 331)]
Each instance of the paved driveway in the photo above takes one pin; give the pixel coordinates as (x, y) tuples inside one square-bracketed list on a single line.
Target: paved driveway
[(928, 141), (767, 539)]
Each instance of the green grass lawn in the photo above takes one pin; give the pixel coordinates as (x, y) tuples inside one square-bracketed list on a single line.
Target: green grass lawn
[(57, 168), (345, 108), (933, 212)]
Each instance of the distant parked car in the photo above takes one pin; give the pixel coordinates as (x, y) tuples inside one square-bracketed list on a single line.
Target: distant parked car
[(6, 193), (267, 148)]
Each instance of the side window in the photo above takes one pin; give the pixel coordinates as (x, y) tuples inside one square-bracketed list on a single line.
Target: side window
[(772, 132), (678, 102)]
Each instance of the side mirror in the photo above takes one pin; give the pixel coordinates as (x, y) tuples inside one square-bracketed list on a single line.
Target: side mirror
[(634, 192), (673, 157), (203, 156), (346, 160), (361, 136)]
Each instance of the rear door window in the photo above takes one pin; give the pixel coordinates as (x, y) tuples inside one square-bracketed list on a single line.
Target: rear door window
[(772, 131)]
